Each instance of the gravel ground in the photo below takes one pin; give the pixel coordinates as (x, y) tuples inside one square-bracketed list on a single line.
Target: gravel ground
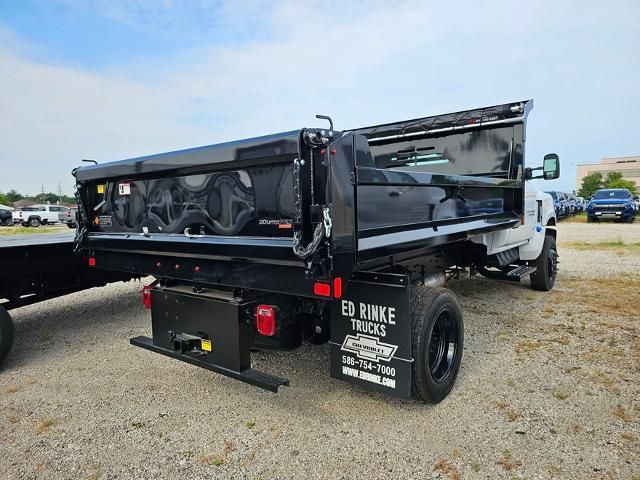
[(549, 388)]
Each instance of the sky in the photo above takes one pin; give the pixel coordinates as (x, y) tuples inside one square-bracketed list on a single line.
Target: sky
[(113, 79)]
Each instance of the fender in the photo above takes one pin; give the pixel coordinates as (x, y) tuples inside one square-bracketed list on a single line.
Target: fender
[(532, 249)]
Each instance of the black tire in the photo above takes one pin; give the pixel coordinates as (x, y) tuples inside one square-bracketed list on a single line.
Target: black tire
[(544, 277), (6, 334), (34, 222), (71, 225), (438, 341)]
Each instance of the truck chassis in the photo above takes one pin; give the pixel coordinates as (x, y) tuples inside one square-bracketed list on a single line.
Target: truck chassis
[(340, 237), (40, 267)]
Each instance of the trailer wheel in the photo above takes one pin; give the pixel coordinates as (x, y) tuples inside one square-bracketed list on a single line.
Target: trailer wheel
[(546, 266), (438, 338), (6, 334)]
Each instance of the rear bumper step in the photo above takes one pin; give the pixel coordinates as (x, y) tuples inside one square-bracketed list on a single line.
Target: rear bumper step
[(249, 375)]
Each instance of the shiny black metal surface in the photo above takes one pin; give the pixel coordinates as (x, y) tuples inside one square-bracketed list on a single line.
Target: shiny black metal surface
[(465, 120), (256, 201), (39, 267), (240, 153), (249, 375), (344, 202)]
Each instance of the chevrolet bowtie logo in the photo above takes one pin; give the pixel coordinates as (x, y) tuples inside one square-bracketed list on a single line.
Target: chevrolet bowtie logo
[(368, 348)]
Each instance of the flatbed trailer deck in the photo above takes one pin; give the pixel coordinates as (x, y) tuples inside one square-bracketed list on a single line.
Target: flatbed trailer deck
[(324, 235), (37, 267)]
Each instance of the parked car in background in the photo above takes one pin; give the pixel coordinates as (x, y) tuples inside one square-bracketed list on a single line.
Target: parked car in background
[(636, 200), (612, 203), (562, 197), (69, 217), (558, 204), (582, 204), (5, 217), (572, 205), (37, 215)]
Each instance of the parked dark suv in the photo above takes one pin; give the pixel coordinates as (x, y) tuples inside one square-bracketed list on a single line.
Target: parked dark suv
[(5, 217), (611, 203)]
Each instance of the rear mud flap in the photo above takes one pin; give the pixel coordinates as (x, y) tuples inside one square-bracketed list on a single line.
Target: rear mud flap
[(371, 334)]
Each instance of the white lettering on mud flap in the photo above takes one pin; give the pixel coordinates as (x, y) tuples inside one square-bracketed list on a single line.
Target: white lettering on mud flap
[(369, 322), (371, 337)]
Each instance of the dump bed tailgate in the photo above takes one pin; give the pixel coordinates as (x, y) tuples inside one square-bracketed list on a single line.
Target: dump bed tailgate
[(238, 214), (236, 189)]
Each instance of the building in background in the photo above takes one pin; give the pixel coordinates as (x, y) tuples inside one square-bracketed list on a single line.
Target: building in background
[(629, 167)]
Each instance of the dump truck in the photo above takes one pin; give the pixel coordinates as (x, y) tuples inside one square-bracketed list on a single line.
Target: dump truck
[(340, 237)]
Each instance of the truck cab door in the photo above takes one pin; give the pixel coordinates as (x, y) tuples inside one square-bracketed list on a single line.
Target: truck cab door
[(525, 231)]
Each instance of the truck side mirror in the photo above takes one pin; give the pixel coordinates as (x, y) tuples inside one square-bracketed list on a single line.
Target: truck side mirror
[(551, 166)]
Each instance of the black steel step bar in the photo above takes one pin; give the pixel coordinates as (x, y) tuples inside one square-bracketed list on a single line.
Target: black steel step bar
[(251, 376), (522, 271)]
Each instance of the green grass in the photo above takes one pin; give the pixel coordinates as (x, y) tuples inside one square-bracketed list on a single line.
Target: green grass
[(604, 245), (6, 231), (577, 218)]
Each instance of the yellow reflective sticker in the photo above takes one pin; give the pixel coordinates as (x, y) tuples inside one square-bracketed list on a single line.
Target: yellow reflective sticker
[(205, 345), (100, 188)]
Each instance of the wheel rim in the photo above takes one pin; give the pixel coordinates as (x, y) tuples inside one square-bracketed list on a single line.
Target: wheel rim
[(443, 346), (34, 223)]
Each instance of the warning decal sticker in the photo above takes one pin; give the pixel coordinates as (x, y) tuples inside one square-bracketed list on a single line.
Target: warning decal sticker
[(124, 188)]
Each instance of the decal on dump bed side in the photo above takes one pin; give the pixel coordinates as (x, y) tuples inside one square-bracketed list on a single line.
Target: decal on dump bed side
[(371, 336)]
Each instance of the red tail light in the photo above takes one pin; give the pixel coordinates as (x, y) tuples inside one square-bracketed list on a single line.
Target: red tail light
[(92, 262), (146, 295), (337, 287), (322, 289), (69, 214), (266, 320)]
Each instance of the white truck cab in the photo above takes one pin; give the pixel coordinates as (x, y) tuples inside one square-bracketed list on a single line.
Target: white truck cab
[(530, 246), (529, 235)]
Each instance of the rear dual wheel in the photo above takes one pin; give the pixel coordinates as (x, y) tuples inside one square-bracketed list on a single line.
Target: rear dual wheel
[(438, 338)]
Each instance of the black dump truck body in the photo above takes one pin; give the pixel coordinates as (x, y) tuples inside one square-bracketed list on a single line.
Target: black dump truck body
[(325, 231)]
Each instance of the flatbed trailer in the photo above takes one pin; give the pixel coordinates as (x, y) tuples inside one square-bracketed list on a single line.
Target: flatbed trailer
[(341, 237), (38, 267)]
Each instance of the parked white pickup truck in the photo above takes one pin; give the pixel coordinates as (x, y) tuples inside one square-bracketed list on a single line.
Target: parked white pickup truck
[(37, 215)]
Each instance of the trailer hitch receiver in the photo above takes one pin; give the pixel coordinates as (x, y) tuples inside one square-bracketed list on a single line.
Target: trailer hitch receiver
[(185, 342)]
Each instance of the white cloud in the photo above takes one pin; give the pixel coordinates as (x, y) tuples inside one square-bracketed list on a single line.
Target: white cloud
[(361, 64)]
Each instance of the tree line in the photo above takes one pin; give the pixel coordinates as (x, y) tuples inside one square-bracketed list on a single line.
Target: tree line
[(12, 196), (595, 181)]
